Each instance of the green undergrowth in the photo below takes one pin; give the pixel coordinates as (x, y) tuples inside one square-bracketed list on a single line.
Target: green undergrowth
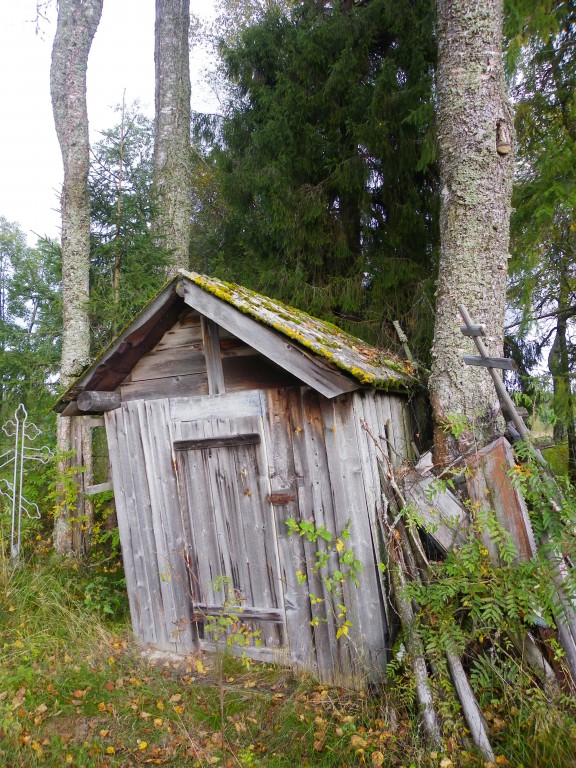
[(76, 690)]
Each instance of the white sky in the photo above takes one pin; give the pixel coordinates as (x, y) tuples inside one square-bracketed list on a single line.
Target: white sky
[(122, 57)]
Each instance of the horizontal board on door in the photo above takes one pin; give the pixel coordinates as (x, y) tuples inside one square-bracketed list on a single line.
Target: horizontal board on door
[(226, 441), (201, 611)]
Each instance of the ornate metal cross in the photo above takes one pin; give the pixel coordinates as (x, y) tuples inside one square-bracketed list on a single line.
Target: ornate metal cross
[(23, 432)]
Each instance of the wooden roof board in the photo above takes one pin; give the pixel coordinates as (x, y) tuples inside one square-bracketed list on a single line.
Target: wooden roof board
[(318, 353), (114, 363), (308, 368), (367, 364)]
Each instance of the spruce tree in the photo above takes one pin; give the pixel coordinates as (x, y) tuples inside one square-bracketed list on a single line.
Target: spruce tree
[(325, 163)]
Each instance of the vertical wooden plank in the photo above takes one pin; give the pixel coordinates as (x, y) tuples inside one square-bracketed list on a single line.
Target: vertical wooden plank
[(139, 518), (401, 441), (168, 531), (143, 517), (282, 474), (255, 514), (366, 413), (114, 427), (311, 473), (199, 512), (384, 421), (213, 357), (329, 514), (489, 487), (354, 491)]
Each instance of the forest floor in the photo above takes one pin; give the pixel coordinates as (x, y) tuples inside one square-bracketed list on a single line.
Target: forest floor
[(77, 691)]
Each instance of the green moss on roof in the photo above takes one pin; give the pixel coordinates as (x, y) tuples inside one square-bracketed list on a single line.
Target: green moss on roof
[(369, 365)]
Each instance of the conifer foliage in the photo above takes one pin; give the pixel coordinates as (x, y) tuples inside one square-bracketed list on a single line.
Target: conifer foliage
[(325, 161), (543, 274)]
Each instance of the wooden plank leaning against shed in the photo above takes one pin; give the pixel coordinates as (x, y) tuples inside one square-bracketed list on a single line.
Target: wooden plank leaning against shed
[(489, 486), (270, 343)]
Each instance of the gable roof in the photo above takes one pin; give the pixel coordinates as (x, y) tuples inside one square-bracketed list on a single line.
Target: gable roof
[(369, 365), (319, 353)]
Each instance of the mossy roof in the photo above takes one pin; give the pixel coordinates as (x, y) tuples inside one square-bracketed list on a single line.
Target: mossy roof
[(369, 365)]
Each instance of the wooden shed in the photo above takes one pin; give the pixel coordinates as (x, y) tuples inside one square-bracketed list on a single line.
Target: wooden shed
[(227, 414)]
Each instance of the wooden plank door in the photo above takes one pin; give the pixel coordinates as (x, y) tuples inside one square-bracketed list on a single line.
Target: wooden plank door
[(225, 490)]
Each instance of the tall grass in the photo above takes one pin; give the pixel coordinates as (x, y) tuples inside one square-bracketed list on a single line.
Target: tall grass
[(43, 608)]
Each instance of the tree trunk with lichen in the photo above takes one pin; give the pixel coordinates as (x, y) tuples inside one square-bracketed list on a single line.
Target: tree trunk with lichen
[(475, 138), (172, 155), (77, 24)]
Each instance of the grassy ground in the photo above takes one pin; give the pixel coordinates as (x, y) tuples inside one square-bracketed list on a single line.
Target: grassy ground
[(75, 690)]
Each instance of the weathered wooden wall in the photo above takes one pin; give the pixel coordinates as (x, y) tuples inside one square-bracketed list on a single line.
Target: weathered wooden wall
[(313, 461), (178, 365), (212, 450)]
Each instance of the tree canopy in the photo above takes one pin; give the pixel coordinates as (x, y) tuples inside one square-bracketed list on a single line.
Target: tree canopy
[(324, 163), (543, 277)]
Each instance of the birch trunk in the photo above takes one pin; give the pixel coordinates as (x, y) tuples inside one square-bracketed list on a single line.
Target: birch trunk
[(172, 155), (475, 136), (77, 24)]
